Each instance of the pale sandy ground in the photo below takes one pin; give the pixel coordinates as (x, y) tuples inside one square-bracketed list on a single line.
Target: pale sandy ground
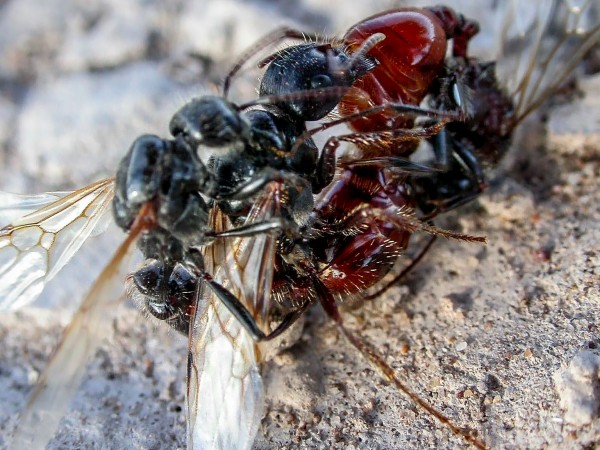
[(483, 333)]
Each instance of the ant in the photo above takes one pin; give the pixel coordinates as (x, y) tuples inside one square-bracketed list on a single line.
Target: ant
[(413, 68)]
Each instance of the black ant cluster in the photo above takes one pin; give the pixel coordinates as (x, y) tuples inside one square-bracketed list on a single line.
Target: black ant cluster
[(251, 148)]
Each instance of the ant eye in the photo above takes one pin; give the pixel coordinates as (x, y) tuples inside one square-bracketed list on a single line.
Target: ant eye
[(320, 81)]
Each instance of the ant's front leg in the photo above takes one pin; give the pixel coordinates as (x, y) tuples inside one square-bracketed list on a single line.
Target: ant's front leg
[(374, 139), (466, 158), (257, 183), (253, 229)]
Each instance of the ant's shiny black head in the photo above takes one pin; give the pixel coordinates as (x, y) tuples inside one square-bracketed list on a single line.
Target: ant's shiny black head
[(168, 291), (309, 67)]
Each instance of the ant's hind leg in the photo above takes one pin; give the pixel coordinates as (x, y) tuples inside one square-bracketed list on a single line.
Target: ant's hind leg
[(378, 362)]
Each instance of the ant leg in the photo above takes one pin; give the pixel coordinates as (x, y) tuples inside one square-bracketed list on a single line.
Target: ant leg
[(257, 183), (443, 142), (399, 135), (450, 203), (327, 161), (405, 219), (377, 361), (440, 148), (457, 27), (288, 320), (241, 313), (374, 138), (251, 187), (395, 108), (463, 180), (471, 163), (272, 38), (396, 164), (253, 229)]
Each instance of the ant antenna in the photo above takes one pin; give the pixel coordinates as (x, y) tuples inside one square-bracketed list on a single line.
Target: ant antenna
[(270, 39), (365, 48)]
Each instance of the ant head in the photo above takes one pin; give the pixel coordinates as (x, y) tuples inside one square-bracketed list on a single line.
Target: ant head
[(310, 67)]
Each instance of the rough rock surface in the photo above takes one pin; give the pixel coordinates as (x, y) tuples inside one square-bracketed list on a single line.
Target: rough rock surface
[(479, 331)]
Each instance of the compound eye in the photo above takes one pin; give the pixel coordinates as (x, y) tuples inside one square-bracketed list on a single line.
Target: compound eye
[(321, 81), (149, 278)]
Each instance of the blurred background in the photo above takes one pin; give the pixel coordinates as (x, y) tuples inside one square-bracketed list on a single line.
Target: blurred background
[(79, 80)]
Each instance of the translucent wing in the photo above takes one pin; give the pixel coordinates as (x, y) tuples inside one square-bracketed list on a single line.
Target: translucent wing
[(61, 378), (14, 206), (34, 247), (225, 391), (250, 261), (538, 51)]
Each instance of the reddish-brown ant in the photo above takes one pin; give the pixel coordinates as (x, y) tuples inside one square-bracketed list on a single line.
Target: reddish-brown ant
[(410, 60)]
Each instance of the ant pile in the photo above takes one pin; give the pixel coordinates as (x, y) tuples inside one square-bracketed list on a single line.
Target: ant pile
[(484, 334)]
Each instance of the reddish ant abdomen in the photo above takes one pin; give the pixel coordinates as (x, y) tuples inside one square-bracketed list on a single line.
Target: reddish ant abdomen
[(363, 203), (409, 60)]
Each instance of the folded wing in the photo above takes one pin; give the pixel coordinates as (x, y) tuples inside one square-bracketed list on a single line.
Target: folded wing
[(225, 390)]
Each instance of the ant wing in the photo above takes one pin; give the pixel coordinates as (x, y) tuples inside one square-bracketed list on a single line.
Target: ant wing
[(15, 206), (34, 247), (538, 54), (225, 391), (61, 378), (250, 261)]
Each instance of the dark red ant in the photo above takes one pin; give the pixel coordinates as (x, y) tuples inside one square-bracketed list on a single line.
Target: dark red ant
[(413, 67), (410, 60)]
